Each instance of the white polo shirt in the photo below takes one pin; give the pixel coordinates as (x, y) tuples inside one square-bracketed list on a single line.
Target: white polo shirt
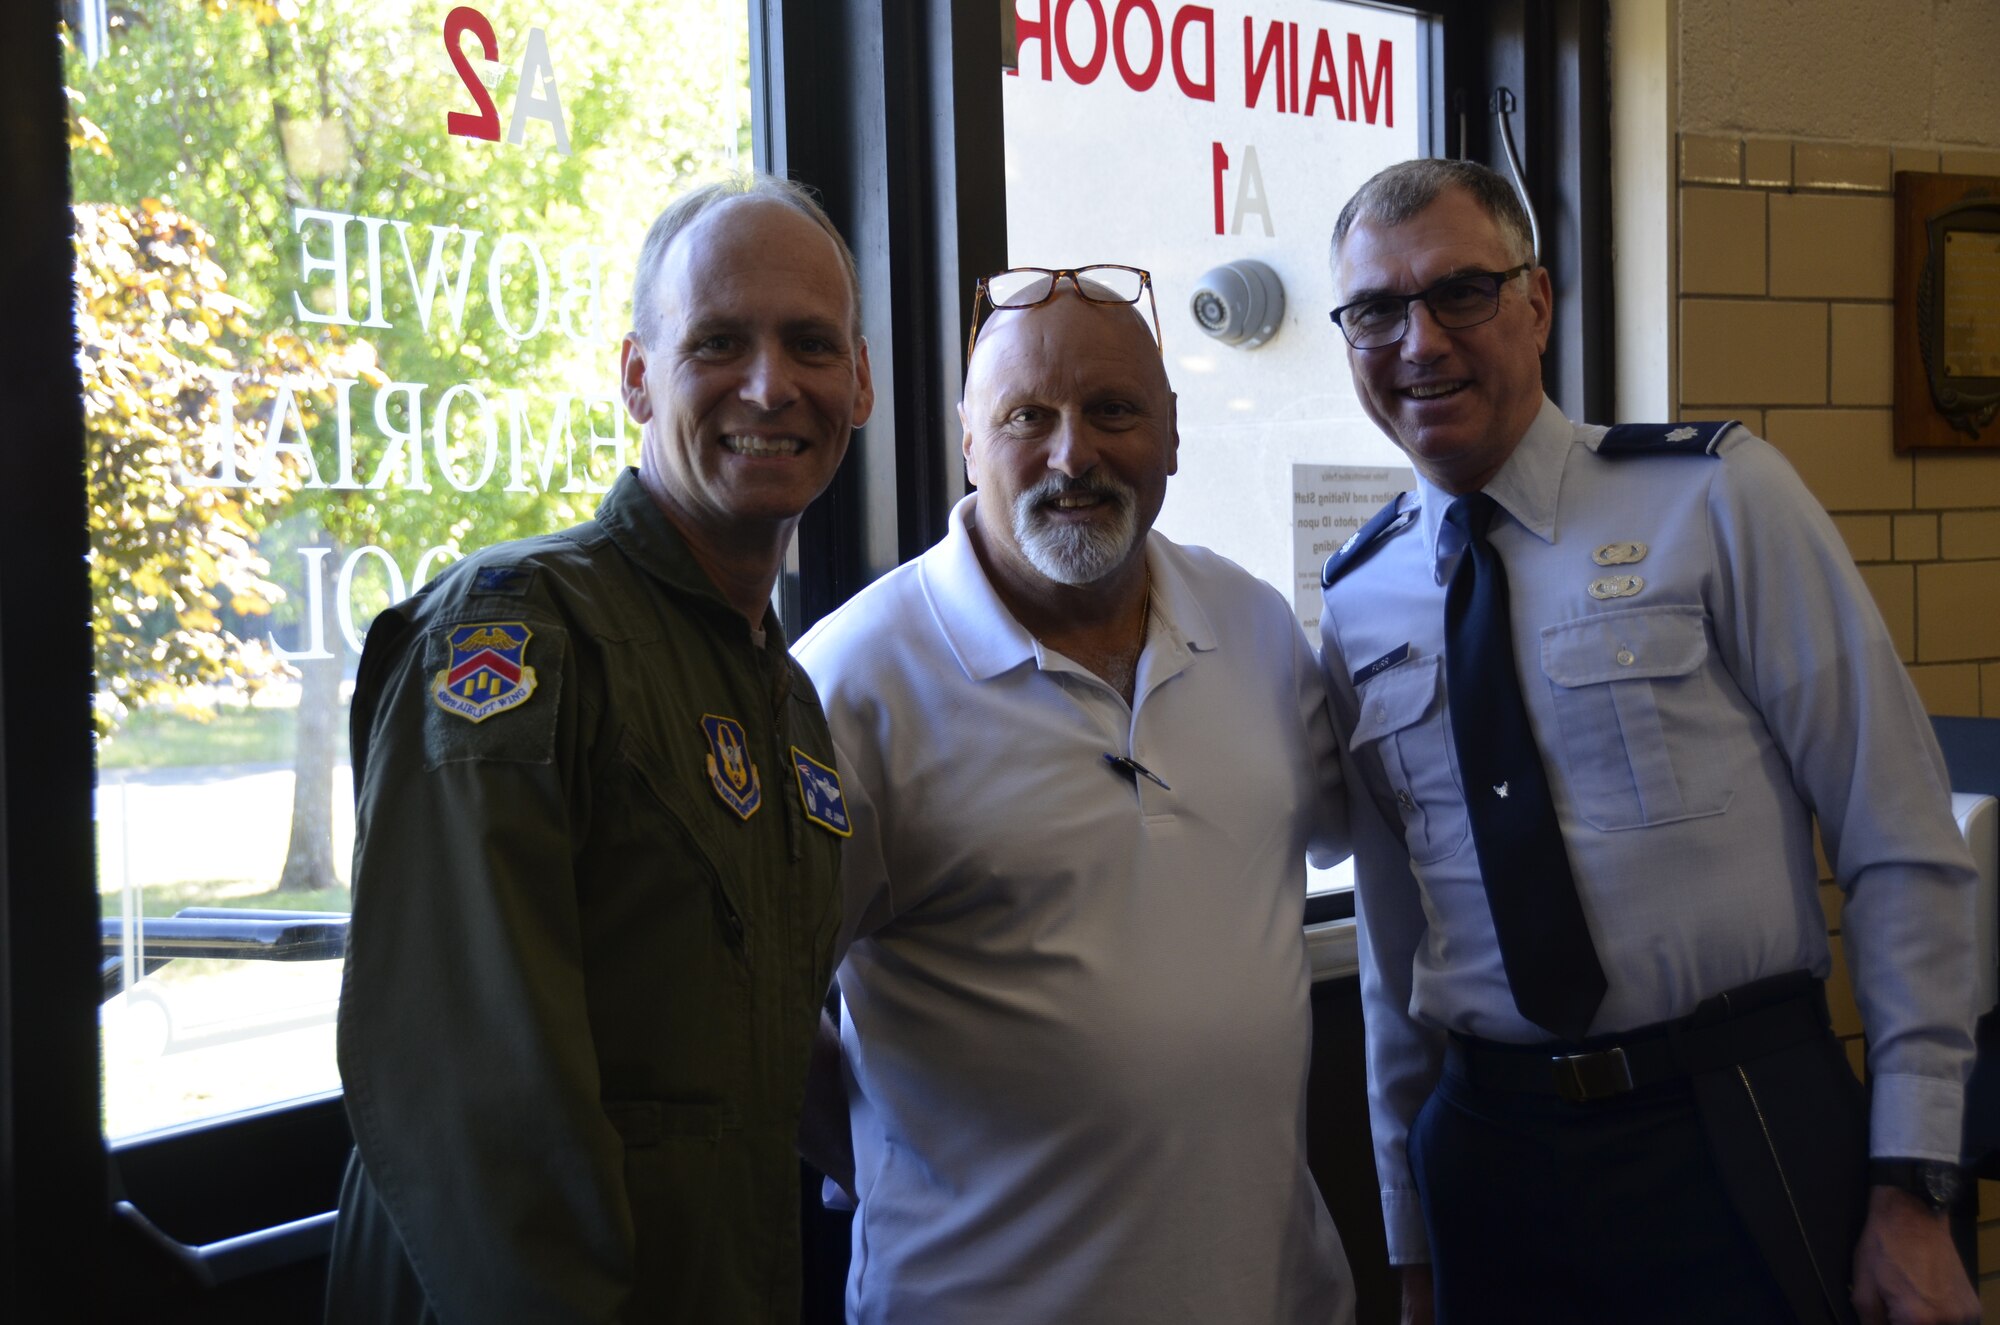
[(1077, 1000)]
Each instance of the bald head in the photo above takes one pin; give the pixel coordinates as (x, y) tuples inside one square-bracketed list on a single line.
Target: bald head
[(691, 207), (1067, 331), (1070, 438)]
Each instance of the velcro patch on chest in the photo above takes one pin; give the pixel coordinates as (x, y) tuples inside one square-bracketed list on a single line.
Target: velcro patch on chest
[(730, 771), (819, 792)]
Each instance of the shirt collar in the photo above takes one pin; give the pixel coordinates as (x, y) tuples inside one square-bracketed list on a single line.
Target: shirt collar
[(985, 637), (642, 531), (1527, 488)]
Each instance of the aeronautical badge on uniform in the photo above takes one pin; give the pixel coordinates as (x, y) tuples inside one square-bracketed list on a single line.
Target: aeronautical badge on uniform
[(730, 771), (487, 673), (819, 791)]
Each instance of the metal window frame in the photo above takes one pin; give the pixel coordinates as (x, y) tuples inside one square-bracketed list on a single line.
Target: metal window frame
[(1552, 54), (891, 110), (52, 1206)]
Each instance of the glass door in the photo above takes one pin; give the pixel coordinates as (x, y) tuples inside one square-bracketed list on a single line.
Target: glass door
[(352, 280), (1214, 145)]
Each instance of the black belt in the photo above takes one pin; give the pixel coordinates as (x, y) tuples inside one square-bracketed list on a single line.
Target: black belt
[(1733, 1027)]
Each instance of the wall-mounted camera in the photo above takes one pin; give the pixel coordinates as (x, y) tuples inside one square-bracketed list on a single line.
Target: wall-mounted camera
[(1239, 303)]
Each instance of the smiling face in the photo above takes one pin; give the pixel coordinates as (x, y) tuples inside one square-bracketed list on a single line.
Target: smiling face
[(1070, 437), (1457, 401), (748, 380)]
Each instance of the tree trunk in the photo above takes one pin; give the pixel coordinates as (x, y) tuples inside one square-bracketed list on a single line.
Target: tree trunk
[(309, 865)]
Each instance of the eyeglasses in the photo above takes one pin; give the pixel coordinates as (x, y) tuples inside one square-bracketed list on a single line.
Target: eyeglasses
[(1457, 302), (1030, 287)]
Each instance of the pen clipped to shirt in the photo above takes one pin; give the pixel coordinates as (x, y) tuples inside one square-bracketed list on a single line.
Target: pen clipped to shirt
[(1135, 770)]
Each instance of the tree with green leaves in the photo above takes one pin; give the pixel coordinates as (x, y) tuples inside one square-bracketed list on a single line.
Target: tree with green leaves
[(257, 118), (155, 326)]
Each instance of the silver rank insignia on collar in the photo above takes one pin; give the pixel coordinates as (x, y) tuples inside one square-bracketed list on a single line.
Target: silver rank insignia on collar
[(1620, 554), (1616, 586)]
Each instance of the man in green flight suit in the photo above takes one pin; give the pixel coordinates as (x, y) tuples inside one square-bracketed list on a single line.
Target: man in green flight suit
[(598, 837)]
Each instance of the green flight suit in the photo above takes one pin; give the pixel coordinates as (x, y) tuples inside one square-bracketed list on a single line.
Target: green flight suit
[(594, 907)]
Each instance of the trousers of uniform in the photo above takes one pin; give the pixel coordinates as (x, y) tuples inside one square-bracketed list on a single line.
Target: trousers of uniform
[(1730, 1195)]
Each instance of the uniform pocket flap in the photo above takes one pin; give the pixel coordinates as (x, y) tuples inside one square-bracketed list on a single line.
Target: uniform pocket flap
[(1394, 699), (641, 1123), (1635, 644)]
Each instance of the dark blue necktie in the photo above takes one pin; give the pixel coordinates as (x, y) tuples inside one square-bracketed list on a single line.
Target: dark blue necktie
[(1545, 945)]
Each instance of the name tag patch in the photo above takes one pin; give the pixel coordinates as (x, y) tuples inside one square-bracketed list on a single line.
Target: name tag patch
[(819, 792), (730, 771), (487, 673), (1382, 664)]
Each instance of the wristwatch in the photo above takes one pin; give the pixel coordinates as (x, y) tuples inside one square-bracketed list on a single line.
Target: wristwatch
[(1931, 1181)]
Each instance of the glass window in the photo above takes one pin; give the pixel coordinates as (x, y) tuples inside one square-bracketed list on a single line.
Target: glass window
[(352, 280), (1214, 145)]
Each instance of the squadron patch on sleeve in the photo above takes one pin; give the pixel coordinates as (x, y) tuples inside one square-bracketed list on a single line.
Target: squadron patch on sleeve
[(819, 791), (487, 673), (730, 771)]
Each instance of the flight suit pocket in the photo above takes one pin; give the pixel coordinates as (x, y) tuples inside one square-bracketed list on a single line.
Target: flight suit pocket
[(677, 1190), (1629, 688), (662, 792), (1403, 718), (644, 1123)]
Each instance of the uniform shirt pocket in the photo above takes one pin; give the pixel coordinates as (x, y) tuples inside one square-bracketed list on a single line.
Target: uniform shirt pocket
[(1629, 689), (1403, 718)]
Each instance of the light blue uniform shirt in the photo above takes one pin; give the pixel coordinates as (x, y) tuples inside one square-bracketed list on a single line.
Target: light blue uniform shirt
[(1736, 682)]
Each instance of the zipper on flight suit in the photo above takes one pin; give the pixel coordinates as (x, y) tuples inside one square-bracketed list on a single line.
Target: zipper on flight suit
[(779, 663)]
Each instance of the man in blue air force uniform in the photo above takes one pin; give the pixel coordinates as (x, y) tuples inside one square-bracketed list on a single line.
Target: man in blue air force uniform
[(1596, 687)]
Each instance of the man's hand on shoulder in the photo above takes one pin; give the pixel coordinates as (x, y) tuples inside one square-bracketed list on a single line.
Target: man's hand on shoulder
[(1417, 1308), (1906, 1269)]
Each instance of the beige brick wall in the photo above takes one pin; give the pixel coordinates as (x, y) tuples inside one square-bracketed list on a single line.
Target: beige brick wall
[(1785, 295), (1785, 299)]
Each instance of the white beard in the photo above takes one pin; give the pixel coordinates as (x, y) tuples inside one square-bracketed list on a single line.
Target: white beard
[(1075, 554)]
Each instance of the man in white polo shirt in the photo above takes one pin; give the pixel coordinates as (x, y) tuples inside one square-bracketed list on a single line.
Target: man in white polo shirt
[(1085, 768)]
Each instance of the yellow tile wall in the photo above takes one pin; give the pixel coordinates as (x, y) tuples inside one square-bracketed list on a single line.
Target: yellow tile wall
[(1868, 537), (1862, 354), (1765, 350), (1786, 300), (1722, 241), (1916, 537)]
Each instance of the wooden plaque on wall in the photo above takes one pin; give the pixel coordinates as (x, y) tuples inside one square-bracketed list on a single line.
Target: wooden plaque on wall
[(1947, 331)]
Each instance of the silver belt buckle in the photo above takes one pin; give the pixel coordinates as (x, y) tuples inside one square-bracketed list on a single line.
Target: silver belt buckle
[(1581, 1078)]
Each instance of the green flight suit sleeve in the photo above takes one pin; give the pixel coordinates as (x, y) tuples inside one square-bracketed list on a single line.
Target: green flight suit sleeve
[(465, 1046)]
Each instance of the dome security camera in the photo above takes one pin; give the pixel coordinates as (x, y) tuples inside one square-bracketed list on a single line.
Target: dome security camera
[(1239, 303)]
